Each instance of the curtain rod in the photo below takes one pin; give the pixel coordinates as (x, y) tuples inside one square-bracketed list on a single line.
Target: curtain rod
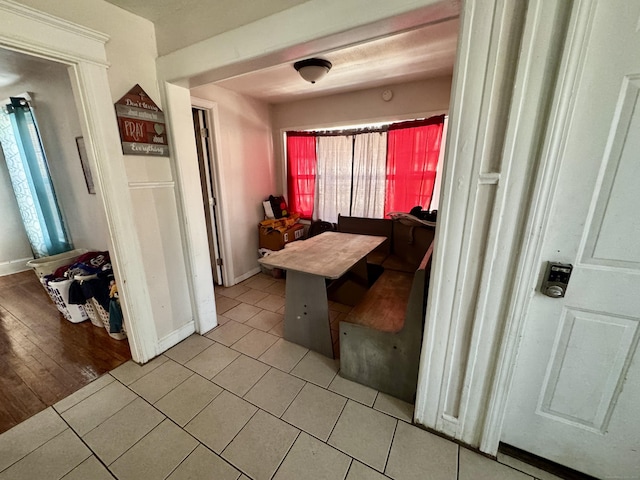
[(358, 131)]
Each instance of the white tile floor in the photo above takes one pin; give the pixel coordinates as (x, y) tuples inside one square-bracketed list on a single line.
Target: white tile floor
[(238, 403)]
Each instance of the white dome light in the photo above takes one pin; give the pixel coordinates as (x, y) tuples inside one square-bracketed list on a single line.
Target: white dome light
[(312, 69)]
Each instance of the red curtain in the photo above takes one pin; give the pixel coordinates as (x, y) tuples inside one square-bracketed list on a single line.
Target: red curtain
[(301, 172), (412, 159)]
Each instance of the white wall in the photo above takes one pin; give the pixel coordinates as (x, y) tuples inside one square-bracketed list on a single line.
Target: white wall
[(131, 52), (247, 170), (14, 245), (410, 100)]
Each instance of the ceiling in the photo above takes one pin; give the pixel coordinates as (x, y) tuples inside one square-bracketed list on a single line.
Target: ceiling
[(427, 52), (180, 23), (421, 53)]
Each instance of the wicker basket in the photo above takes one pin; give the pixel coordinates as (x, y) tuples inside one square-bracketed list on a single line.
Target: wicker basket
[(59, 293), (104, 317), (93, 314), (47, 265)]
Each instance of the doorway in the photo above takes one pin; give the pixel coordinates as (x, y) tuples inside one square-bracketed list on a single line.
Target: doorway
[(207, 166), (45, 356)]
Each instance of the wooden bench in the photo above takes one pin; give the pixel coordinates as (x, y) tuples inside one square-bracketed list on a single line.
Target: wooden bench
[(381, 338)]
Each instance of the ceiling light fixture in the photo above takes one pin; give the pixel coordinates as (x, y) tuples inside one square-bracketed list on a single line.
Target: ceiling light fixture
[(313, 69)]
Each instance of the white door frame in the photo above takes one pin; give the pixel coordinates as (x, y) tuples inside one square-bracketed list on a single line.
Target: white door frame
[(224, 237), (469, 316), (22, 30), (195, 241), (528, 269)]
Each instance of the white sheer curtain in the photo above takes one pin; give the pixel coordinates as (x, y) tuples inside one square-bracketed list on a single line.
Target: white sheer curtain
[(369, 175), (333, 177), (435, 197)]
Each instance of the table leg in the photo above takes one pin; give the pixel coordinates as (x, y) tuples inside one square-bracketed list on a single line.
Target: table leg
[(306, 319), (352, 286)]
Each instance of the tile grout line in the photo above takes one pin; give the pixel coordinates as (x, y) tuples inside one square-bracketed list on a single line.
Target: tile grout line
[(189, 433), (231, 441), (285, 455), (166, 417), (93, 454), (292, 401), (49, 440), (349, 469), (185, 458), (269, 367), (228, 346), (393, 437), (334, 425)]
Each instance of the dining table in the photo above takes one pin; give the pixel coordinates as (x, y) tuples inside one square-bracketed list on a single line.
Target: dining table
[(310, 265)]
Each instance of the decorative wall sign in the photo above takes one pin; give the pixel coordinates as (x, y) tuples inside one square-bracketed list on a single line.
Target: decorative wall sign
[(141, 125)]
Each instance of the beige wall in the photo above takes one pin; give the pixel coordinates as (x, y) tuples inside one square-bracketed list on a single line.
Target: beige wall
[(246, 169), (14, 245), (410, 100)]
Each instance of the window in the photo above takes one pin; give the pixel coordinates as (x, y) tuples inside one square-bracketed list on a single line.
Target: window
[(301, 168), (364, 173), (30, 179)]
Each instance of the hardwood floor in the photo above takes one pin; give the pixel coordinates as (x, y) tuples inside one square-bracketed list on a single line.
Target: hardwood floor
[(43, 357)]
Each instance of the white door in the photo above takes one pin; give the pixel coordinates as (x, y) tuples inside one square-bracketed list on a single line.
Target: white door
[(575, 397)]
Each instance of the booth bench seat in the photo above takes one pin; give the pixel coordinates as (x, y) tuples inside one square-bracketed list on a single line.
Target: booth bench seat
[(380, 339)]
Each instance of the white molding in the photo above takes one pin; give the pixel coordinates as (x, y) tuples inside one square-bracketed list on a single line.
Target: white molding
[(461, 167), (14, 266), (203, 103), (102, 140), (191, 215), (67, 42), (249, 274), (145, 185), (175, 337), (537, 218), (11, 7)]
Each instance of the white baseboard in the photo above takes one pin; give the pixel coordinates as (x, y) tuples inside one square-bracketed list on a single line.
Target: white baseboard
[(14, 266), (249, 274), (176, 337)]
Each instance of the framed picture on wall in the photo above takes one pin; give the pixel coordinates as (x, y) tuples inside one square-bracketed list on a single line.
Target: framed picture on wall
[(84, 161)]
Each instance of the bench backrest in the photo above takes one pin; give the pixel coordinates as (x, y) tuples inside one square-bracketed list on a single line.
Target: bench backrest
[(410, 243)]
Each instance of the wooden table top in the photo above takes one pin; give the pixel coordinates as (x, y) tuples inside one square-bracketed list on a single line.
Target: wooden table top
[(329, 255)]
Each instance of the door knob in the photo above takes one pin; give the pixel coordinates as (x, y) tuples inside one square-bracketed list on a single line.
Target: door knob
[(554, 291)]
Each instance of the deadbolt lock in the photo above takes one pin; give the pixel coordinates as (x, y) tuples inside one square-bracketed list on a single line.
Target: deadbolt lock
[(556, 279)]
